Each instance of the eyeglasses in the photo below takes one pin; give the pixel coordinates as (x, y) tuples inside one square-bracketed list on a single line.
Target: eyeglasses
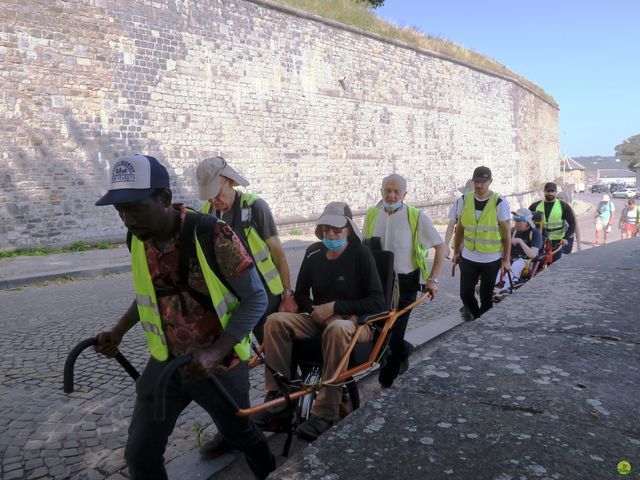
[(328, 228)]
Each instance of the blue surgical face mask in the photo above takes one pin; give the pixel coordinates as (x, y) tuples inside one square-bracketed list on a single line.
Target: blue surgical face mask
[(334, 244), (392, 207)]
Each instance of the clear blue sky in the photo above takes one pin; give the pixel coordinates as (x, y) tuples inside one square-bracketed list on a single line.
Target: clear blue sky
[(586, 54)]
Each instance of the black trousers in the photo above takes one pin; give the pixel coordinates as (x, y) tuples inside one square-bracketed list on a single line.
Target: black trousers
[(400, 349), (470, 272), (148, 438)]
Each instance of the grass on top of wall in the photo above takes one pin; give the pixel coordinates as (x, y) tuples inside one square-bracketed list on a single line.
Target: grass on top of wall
[(356, 13)]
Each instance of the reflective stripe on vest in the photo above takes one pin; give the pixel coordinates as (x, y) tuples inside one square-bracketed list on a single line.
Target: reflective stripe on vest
[(554, 225), (419, 252), (481, 235), (257, 247), (224, 302)]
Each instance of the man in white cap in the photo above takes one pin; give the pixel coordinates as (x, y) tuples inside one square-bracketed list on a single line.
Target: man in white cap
[(251, 219), (407, 232), (187, 303), (603, 220), (338, 281)]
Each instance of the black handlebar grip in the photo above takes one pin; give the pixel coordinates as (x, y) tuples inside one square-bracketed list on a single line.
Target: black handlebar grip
[(67, 382), (70, 363)]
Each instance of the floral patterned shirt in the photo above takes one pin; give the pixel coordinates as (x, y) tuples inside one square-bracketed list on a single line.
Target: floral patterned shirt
[(188, 325)]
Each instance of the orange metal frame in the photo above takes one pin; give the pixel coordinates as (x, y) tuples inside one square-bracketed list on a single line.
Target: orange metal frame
[(339, 375)]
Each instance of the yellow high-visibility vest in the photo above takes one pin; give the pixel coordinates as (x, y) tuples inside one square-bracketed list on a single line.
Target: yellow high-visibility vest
[(419, 252), (257, 246), (483, 234), (554, 225), (224, 302)]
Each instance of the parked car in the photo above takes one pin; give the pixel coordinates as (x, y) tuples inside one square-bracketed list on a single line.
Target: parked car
[(625, 193), (600, 188), (614, 187)]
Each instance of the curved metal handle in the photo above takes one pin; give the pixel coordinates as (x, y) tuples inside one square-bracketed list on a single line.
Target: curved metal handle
[(69, 364), (160, 390)]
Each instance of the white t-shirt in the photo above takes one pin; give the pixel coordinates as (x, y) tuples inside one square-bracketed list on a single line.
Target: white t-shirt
[(453, 213), (395, 235), (504, 214)]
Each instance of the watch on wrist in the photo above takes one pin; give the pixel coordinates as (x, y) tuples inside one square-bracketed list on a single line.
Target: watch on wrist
[(287, 292), (433, 280)]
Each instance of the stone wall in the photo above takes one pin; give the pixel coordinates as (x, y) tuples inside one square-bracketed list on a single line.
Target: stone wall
[(309, 110)]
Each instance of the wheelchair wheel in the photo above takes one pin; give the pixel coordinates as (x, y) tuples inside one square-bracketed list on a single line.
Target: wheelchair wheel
[(306, 403)]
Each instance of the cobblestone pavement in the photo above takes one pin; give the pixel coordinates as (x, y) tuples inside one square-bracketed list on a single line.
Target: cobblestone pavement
[(47, 434)]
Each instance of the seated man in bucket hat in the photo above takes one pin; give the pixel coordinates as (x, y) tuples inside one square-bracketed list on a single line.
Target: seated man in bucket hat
[(338, 281)]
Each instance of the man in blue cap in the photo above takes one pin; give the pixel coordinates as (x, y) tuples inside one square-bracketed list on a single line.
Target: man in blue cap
[(189, 273)]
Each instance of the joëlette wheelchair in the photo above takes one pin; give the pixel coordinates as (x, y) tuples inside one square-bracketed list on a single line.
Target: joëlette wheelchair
[(533, 266), (298, 393)]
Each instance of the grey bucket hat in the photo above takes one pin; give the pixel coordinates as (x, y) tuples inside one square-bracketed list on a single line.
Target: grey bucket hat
[(337, 214)]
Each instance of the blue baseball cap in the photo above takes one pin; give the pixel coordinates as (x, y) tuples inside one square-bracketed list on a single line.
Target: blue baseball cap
[(134, 178)]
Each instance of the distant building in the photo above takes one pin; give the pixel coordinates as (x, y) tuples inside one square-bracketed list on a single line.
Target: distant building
[(616, 175), (572, 172)]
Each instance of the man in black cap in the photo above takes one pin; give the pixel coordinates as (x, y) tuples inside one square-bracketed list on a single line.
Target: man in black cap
[(482, 243), (558, 221), (189, 273)]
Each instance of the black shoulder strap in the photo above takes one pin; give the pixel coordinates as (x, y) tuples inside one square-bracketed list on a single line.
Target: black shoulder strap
[(187, 247), (129, 240)]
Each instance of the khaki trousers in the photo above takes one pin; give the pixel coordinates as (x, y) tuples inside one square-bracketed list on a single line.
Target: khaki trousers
[(282, 328)]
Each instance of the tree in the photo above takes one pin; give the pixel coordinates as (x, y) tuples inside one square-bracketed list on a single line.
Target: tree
[(629, 151), (374, 3)]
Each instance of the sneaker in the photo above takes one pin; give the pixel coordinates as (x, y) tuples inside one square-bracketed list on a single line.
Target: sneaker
[(215, 447), (467, 316), (313, 428)]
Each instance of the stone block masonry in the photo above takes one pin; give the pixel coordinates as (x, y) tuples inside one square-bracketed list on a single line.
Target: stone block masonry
[(309, 110)]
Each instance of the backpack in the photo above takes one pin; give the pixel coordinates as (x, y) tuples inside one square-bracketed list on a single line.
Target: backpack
[(200, 225)]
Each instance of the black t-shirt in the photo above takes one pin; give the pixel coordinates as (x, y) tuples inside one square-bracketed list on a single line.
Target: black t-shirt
[(480, 204), (351, 281), (531, 237), (261, 219)]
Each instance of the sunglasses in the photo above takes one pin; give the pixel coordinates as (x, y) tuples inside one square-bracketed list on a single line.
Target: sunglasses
[(328, 228)]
